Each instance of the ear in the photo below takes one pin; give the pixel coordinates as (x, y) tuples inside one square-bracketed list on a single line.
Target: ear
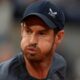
[(59, 36)]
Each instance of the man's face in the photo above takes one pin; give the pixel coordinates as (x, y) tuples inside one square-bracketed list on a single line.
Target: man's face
[(37, 39)]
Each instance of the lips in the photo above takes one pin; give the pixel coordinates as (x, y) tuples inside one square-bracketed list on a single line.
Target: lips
[(31, 50)]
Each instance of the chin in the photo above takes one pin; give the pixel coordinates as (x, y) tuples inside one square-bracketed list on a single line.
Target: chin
[(34, 58)]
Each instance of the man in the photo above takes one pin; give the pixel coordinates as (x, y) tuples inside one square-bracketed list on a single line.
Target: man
[(41, 32)]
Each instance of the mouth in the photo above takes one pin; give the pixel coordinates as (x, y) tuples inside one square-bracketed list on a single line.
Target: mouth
[(31, 50)]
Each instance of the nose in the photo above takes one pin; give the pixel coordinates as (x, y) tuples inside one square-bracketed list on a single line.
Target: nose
[(33, 40)]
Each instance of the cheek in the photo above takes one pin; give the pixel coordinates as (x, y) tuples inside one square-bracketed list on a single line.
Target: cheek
[(24, 42), (45, 45)]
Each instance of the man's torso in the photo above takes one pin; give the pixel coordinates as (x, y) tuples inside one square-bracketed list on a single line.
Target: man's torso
[(14, 69)]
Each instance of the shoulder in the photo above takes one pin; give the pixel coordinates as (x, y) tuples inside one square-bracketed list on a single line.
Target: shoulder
[(5, 67), (59, 61), (59, 66)]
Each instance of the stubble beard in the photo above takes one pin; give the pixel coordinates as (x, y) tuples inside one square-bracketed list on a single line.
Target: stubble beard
[(37, 57)]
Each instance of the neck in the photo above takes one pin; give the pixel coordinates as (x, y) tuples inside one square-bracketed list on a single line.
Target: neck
[(38, 69)]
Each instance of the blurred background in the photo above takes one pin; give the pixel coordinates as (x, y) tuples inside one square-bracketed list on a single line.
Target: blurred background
[(11, 12)]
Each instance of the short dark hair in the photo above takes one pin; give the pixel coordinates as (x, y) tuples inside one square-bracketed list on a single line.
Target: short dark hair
[(56, 30)]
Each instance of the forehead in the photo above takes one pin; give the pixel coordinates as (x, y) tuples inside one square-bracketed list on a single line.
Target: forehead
[(34, 21)]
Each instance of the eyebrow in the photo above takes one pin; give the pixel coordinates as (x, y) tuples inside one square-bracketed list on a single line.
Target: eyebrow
[(42, 30)]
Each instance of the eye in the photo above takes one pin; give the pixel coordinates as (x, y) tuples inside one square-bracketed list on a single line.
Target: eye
[(42, 33), (28, 31)]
